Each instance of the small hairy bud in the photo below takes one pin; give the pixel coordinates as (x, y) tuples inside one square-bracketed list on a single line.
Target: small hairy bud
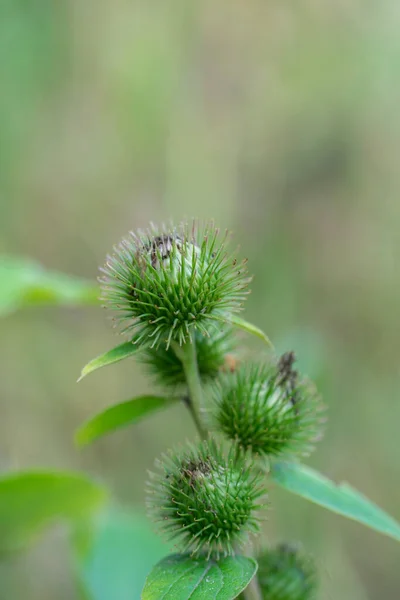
[(205, 500), (166, 284), (268, 410), (284, 573), (212, 353)]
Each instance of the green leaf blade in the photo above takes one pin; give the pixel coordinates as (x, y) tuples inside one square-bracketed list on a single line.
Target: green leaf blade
[(119, 551), (110, 357), (29, 501), (339, 498), (120, 415), (250, 328), (26, 283), (181, 577)]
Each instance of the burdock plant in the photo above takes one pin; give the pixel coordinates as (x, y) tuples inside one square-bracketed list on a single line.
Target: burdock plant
[(175, 294)]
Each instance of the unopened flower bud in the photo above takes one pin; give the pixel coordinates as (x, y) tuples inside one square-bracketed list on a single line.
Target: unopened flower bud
[(167, 284), (205, 500), (268, 409), (285, 573)]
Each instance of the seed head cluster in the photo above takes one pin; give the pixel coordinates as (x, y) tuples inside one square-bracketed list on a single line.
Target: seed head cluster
[(284, 573), (211, 351), (268, 410), (205, 500), (166, 284)]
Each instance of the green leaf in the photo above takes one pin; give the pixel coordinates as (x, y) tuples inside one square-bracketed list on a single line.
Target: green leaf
[(250, 328), (121, 550), (341, 499), (120, 415), (26, 283), (180, 577), (31, 500), (114, 355)]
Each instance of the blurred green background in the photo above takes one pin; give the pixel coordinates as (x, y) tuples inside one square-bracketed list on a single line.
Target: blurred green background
[(281, 121)]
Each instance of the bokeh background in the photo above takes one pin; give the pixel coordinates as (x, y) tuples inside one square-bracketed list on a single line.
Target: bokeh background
[(280, 120)]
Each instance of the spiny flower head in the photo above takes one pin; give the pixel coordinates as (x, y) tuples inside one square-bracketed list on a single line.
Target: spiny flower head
[(284, 573), (213, 355), (268, 409), (166, 283), (205, 500)]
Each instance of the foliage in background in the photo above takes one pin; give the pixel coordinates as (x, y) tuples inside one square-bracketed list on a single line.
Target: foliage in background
[(26, 283)]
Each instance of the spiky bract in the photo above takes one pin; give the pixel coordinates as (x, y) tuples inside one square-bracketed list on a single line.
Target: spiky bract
[(166, 283), (268, 410), (213, 353), (205, 500), (284, 573)]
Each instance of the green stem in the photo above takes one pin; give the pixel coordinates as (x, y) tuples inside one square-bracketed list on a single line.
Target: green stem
[(252, 592), (194, 401), (196, 419), (188, 356)]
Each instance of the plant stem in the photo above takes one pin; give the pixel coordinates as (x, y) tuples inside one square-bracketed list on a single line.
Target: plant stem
[(194, 401), (196, 419), (252, 592)]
